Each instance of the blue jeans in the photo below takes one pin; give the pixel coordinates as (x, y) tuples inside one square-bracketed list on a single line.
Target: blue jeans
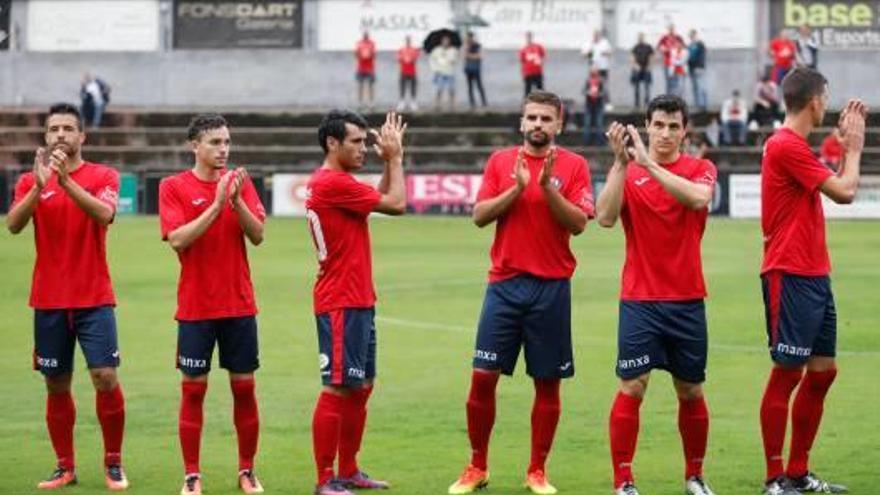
[(676, 85), (734, 133), (594, 123), (698, 85)]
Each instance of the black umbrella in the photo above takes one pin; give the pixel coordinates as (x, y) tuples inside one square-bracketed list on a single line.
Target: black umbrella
[(435, 37)]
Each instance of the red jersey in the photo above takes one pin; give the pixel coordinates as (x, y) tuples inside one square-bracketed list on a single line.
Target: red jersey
[(365, 51), (337, 209), (784, 52), (215, 278), (70, 270), (666, 45), (791, 206), (831, 150), (528, 240), (531, 58), (407, 57), (663, 259)]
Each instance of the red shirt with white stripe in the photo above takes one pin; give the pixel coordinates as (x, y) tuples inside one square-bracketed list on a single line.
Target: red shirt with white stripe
[(337, 210), (663, 257), (215, 277), (528, 240), (792, 218), (531, 58), (70, 270)]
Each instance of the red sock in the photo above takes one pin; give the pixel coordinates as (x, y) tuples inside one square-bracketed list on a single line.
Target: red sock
[(354, 419), (481, 415), (806, 414), (110, 407), (326, 424), (624, 431), (60, 418), (693, 425), (545, 417), (247, 420), (774, 416), (190, 423)]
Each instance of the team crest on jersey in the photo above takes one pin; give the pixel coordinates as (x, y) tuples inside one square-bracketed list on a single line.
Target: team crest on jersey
[(556, 182)]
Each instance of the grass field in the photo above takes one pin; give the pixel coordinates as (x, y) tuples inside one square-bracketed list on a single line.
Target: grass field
[(430, 276)]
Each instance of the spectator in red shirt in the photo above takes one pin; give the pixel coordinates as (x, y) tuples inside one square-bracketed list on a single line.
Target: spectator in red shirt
[(365, 54), (665, 46), (831, 151), (783, 51), (407, 57), (531, 58)]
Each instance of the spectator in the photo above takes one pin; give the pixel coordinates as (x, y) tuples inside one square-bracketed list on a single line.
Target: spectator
[(665, 46), (697, 70), (531, 58), (807, 48), (365, 54), (766, 109), (783, 51), (407, 57), (598, 52), (641, 57), (473, 68), (94, 95), (734, 115), (677, 69), (442, 60), (831, 151), (595, 94)]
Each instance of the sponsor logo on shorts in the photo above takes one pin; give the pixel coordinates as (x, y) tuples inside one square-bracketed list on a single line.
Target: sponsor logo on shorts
[(47, 362), (323, 361), (186, 362), (115, 354), (638, 362), (486, 355), (357, 373), (793, 350), (565, 366)]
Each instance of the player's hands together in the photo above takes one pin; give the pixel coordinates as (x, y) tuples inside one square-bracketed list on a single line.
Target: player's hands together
[(389, 139), (617, 139), (636, 148), (42, 172), (547, 168), (236, 183), (58, 164), (852, 125), (223, 189), (520, 171)]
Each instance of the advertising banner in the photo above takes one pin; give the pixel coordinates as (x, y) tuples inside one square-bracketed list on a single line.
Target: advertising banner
[(5, 7), (837, 24), (341, 23), (727, 24), (128, 197), (92, 25), (565, 24), (237, 24), (745, 199)]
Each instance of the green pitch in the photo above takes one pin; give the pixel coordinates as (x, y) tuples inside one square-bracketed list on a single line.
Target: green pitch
[(430, 276)]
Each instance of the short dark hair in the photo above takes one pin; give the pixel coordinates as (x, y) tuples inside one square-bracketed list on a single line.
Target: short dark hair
[(668, 104), (66, 109), (800, 86), (333, 125), (202, 123), (544, 98)]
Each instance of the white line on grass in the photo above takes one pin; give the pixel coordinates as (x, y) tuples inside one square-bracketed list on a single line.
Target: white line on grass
[(427, 325)]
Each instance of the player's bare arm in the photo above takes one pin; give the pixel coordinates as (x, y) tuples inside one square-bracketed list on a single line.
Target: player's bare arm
[(181, 237), (389, 147), (21, 213), (692, 195), (564, 212), (611, 198), (61, 164), (842, 188), (488, 210), (251, 225)]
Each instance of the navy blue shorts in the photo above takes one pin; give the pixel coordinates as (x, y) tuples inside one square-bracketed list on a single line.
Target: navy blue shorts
[(347, 346), (662, 334), (801, 318), (236, 338), (528, 312), (57, 330)]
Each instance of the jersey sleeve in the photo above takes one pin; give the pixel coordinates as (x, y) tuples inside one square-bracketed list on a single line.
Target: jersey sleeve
[(489, 187), (107, 189), (171, 213), (800, 163), (22, 187), (349, 194), (705, 173), (580, 191), (252, 199)]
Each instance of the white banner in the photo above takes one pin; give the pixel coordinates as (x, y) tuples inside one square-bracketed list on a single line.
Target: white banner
[(289, 192), (727, 24), (745, 199), (341, 23), (566, 24), (92, 25)]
